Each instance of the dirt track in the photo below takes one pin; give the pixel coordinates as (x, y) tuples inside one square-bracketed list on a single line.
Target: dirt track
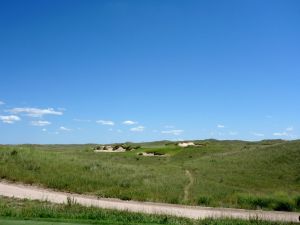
[(35, 193)]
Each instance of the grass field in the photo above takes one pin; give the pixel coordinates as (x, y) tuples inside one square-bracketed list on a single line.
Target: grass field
[(25, 212), (223, 173)]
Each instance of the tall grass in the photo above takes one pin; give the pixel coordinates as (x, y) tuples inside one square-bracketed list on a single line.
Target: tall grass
[(34, 210)]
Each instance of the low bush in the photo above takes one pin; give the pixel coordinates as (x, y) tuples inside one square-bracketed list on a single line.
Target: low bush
[(297, 202), (204, 200), (261, 202)]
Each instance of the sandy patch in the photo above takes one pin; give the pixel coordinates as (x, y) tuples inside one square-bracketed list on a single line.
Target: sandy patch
[(110, 149), (186, 144), (150, 154)]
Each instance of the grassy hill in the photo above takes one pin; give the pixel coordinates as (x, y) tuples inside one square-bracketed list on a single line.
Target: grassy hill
[(241, 174)]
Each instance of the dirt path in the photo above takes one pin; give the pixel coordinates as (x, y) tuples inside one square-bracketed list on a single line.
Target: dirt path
[(35, 193), (188, 186)]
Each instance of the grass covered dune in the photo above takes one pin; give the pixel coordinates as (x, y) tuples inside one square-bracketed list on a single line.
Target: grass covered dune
[(13, 212), (253, 175)]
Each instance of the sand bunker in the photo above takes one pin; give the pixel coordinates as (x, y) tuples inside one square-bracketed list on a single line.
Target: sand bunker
[(109, 149), (185, 144)]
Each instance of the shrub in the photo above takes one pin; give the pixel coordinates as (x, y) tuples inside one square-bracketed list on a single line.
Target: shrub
[(174, 200), (204, 200), (297, 202), (283, 205), (254, 201), (279, 204), (13, 152), (158, 153), (125, 198), (116, 147), (260, 202)]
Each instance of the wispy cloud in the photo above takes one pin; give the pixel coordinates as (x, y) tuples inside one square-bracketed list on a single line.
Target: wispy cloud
[(9, 119), (173, 132), (129, 122), (138, 129), (40, 123), (280, 134), (35, 112), (81, 120), (65, 128), (169, 126), (2, 103), (105, 122), (258, 134), (288, 132), (220, 126), (44, 129)]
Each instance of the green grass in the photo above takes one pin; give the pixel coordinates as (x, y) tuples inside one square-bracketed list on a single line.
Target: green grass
[(226, 173), (33, 222), (25, 212)]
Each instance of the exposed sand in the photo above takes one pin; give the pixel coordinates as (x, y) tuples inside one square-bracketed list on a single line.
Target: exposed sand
[(120, 149), (35, 193), (185, 144)]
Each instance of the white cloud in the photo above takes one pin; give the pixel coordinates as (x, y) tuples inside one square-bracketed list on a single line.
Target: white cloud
[(258, 134), (138, 129), (9, 119), (220, 126), (173, 132), (44, 129), (64, 128), (280, 134), (2, 103), (40, 123), (105, 122), (35, 112), (289, 129), (129, 122)]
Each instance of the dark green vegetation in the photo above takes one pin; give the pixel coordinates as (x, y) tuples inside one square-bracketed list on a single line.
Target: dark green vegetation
[(24, 212), (240, 174)]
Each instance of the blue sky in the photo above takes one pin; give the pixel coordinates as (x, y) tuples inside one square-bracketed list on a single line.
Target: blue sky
[(113, 71)]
